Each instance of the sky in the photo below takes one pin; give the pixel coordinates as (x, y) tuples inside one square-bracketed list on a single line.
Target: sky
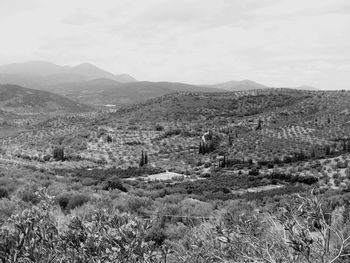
[(281, 43)]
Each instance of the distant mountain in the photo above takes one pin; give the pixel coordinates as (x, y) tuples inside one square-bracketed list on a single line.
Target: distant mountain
[(89, 84), (106, 91), (49, 72), (18, 100), (245, 85)]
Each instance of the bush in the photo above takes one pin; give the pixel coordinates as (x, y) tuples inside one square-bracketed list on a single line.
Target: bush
[(347, 173), (172, 133), (77, 200), (69, 201), (114, 183), (29, 196), (47, 158), (336, 176), (62, 200), (34, 236), (337, 181), (4, 193), (159, 127), (270, 165), (156, 235), (7, 208)]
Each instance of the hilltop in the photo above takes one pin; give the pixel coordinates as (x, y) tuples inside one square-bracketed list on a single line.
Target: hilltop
[(214, 106)]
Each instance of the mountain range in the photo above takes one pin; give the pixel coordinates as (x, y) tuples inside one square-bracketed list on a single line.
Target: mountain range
[(52, 73), (89, 84)]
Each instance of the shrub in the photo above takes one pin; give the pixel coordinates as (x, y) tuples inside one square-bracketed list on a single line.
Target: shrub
[(77, 200), (336, 176), (29, 196), (172, 133), (114, 183), (337, 182), (7, 208), (205, 175), (33, 236), (133, 204), (270, 165), (341, 165), (69, 201), (156, 235), (159, 127), (47, 158), (62, 200), (347, 173), (58, 154), (253, 172), (4, 193)]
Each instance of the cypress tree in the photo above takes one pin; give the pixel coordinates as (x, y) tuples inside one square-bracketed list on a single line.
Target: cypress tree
[(206, 148), (142, 160), (211, 147), (223, 165), (58, 154), (146, 158)]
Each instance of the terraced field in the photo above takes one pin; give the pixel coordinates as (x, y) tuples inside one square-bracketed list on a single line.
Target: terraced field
[(261, 125)]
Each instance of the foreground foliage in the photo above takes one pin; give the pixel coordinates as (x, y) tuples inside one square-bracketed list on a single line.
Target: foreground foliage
[(307, 229)]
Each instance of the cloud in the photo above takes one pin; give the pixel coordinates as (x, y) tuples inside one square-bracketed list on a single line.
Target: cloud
[(79, 18), (14, 7)]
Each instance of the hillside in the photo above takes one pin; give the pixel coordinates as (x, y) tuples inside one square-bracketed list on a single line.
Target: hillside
[(19, 100), (5, 116), (271, 125), (214, 109)]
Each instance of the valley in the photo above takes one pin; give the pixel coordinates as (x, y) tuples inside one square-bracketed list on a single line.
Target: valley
[(173, 164)]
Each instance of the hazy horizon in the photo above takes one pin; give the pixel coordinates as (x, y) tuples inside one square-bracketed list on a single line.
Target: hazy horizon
[(276, 43)]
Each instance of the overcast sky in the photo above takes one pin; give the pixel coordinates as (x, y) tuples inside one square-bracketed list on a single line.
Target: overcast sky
[(274, 42)]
